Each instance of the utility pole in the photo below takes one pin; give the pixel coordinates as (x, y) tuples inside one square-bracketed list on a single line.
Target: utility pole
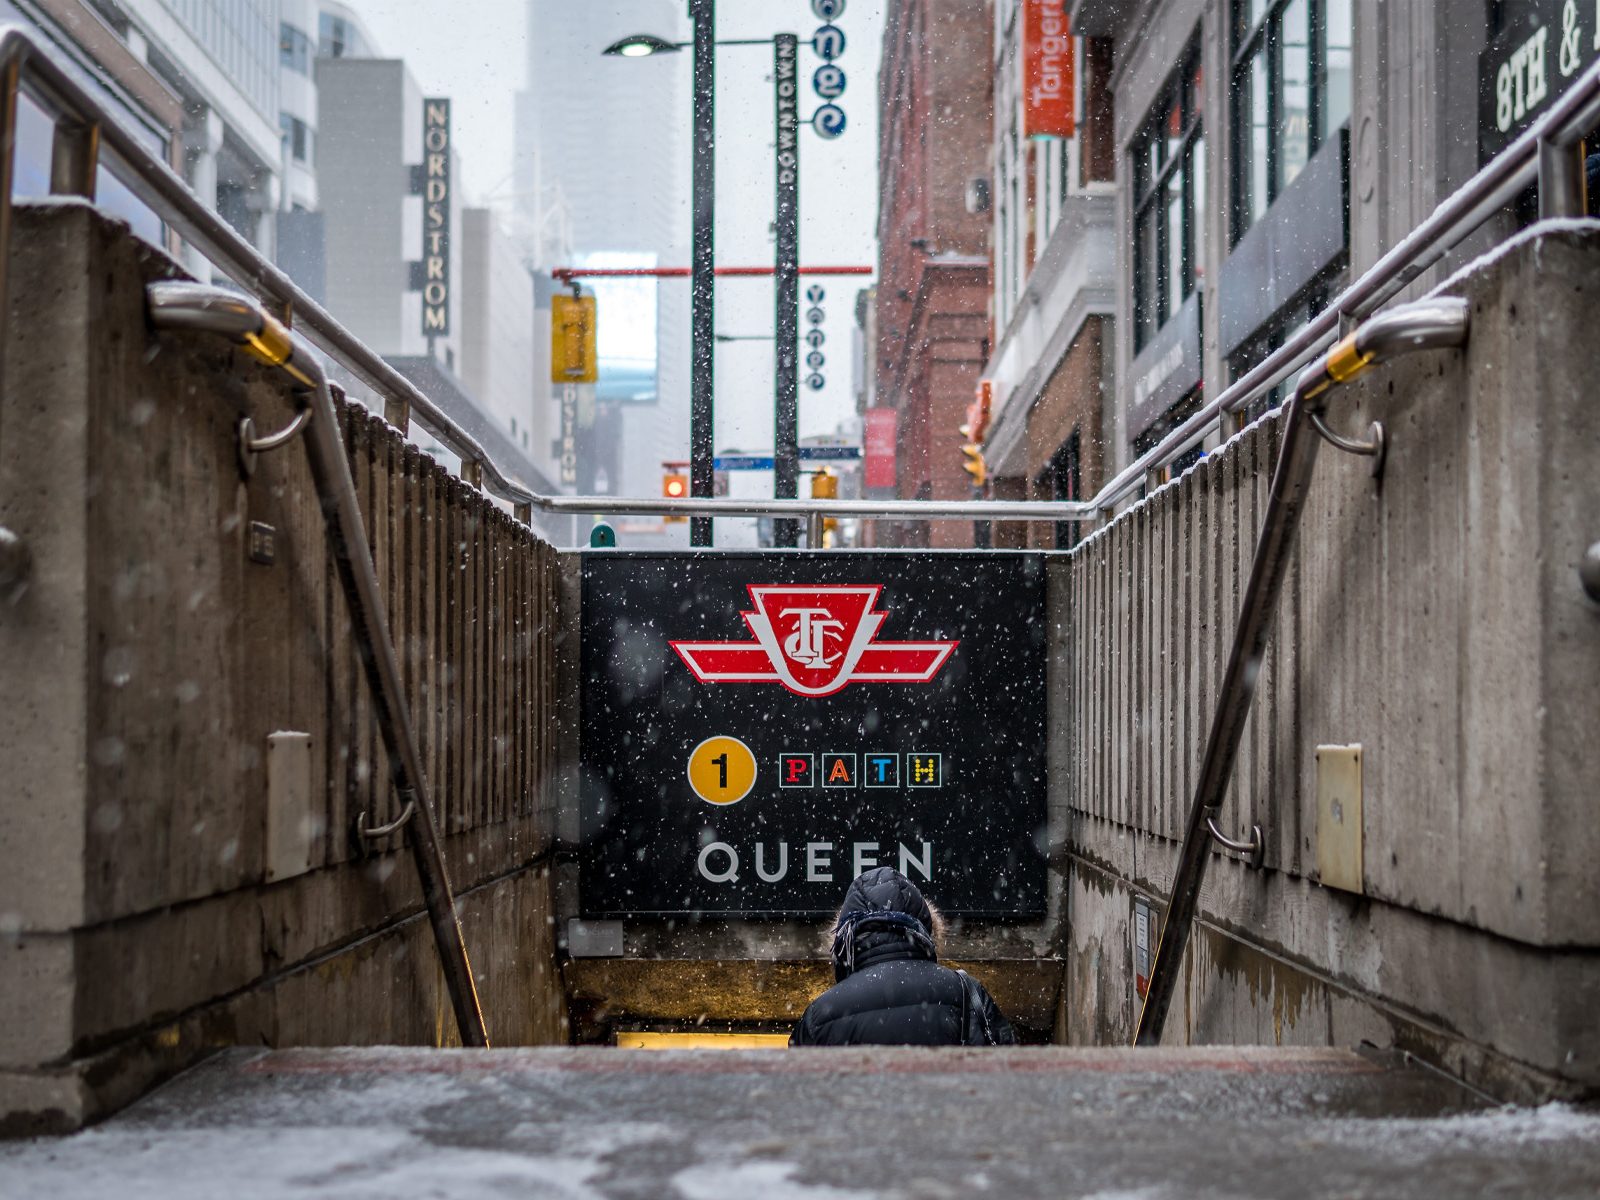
[(786, 281), (702, 352)]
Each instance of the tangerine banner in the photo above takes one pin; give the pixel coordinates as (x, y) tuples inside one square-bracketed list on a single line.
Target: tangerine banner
[(1047, 70)]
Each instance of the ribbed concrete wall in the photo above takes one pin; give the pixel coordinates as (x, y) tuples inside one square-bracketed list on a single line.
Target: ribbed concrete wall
[(173, 875), (1434, 618)]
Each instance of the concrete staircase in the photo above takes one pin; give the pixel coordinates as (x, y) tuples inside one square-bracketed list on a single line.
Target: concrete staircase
[(813, 1125)]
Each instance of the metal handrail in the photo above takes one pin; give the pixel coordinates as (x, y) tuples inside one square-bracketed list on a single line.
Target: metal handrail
[(1432, 324), (26, 66), (1539, 153), (201, 308)]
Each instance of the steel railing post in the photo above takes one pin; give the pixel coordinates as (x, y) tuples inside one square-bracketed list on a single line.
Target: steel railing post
[(1562, 191)]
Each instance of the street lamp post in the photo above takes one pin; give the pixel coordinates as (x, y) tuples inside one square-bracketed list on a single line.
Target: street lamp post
[(702, 297), (786, 281), (703, 284)]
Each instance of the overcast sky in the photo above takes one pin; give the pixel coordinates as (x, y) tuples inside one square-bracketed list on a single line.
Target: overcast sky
[(477, 56)]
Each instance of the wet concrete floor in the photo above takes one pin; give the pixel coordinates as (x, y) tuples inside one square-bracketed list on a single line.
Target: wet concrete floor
[(812, 1125)]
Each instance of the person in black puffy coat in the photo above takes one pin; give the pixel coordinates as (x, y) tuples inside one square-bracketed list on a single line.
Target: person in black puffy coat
[(891, 990)]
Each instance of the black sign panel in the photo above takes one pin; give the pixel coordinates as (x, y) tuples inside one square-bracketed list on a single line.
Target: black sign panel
[(1542, 47), (759, 728)]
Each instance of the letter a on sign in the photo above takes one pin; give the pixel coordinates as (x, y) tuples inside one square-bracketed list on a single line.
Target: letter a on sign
[(1047, 70)]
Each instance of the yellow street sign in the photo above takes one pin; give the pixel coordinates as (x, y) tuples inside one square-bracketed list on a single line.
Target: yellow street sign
[(573, 355)]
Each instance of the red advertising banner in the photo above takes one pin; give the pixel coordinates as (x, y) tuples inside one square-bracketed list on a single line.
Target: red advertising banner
[(1047, 70), (880, 440)]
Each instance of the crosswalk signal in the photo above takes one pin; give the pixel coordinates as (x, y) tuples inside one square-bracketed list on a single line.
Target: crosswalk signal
[(975, 466)]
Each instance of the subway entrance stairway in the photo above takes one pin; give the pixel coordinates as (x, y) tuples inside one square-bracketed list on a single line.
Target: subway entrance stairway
[(576, 1124), (296, 713)]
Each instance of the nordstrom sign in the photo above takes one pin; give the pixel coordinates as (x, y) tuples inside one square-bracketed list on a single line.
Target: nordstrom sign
[(435, 282)]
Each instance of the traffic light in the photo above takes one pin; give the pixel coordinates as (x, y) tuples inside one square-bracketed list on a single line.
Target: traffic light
[(675, 486), (975, 466), (973, 430), (825, 486), (573, 353)]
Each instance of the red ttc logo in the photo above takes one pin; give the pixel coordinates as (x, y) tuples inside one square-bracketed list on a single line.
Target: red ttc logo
[(814, 640)]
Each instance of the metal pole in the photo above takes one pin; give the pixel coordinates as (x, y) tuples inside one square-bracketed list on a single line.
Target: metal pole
[(330, 472), (702, 337), (10, 87), (786, 280), (74, 158), (1561, 180)]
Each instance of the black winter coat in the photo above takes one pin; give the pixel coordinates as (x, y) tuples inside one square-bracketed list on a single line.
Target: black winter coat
[(891, 991)]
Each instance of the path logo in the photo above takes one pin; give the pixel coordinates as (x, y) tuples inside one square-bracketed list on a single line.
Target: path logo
[(814, 640)]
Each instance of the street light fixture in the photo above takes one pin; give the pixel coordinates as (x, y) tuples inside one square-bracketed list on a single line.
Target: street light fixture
[(642, 45)]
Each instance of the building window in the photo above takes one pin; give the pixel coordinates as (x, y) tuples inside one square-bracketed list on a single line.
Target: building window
[(1165, 424), (294, 49), (337, 38), (1302, 310), (1066, 483), (296, 137), (1291, 93), (1169, 190)]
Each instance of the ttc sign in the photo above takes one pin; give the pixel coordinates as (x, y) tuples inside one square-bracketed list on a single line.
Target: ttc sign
[(757, 729)]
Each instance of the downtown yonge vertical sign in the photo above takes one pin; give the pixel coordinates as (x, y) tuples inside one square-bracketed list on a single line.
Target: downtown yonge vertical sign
[(756, 729), (786, 282), (436, 201)]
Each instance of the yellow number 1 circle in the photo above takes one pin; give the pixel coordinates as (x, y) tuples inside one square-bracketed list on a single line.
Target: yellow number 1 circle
[(722, 770)]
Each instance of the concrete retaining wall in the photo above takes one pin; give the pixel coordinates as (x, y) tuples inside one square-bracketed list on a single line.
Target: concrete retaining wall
[(175, 872), (1434, 618)]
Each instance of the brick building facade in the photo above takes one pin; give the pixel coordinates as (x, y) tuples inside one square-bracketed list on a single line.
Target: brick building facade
[(933, 293)]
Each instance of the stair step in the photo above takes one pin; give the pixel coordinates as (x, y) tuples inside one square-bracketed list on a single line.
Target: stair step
[(813, 1125)]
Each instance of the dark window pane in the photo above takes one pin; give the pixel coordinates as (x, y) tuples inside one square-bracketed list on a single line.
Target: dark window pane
[(1336, 67), (1197, 217), (1173, 284), (1147, 250), (1294, 102), (1247, 15), (1252, 112)]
